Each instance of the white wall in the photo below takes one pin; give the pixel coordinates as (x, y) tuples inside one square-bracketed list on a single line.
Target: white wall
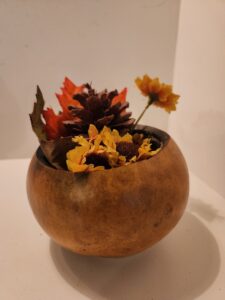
[(199, 123), (108, 42)]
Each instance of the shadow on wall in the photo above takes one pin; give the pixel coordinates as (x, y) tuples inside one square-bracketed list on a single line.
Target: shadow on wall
[(203, 142), (11, 122), (209, 145), (182, 266)]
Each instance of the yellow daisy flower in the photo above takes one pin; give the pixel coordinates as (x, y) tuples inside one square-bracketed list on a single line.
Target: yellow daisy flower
[(107, 149), (160, 94)]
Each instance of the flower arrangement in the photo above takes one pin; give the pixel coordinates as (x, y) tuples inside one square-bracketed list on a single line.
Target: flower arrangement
[(94, 131), (101, 184)]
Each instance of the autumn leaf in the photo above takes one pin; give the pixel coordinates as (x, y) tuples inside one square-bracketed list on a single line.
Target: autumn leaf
[(55, 127), (120, 98), (35, 117)]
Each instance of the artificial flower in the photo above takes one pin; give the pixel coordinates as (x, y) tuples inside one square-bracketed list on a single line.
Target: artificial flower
[(107, 149), (145, 150), (160, 94)]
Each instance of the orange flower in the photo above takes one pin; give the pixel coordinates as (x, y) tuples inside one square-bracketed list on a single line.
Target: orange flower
[(160, 94)]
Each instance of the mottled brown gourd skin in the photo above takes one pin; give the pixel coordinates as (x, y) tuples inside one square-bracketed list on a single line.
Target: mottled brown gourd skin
[(111, 213)]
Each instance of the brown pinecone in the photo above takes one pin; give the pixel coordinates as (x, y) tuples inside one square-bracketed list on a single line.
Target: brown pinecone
[(101, 109)]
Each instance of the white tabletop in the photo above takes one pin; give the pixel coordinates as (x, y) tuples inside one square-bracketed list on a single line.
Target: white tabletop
[(188, 264)]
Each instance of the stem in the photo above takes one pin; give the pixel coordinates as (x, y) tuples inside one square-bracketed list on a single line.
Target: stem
[(141, 115)]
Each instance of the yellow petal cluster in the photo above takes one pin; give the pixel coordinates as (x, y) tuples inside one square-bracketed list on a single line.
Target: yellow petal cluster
[(160, 94), (103, 144), (145, 151)]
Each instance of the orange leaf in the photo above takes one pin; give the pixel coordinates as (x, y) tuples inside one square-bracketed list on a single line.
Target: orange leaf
[(54, 122), (120, 98), (71, 88), (65, 100)]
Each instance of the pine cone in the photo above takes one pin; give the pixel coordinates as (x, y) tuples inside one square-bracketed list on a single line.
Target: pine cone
[(101, 109)]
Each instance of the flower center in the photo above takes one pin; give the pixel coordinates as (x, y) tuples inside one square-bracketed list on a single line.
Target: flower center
[(98, 159), (153, 97), (155, 143), (127, 149)]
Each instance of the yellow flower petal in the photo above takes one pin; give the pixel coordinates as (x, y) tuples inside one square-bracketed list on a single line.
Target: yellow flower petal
[(92, 168), (152, 153), (112, 157), (81, 141), (108, 140), (92, 131), (170, 103), (126, 138), (165, 91), (76, 154), (133, 159), (97, 141), (143, 84), (116, 136), (122, 160), (154, 86), (76, 168)]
